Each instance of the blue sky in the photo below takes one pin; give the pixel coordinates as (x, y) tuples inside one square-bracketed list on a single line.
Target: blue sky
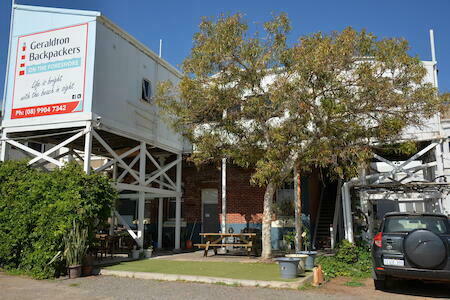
[(176, 21)]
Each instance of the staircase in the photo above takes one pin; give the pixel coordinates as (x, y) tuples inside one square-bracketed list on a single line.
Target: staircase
[(325, 219)]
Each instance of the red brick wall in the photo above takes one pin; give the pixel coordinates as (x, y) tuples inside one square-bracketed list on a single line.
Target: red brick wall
[(244, 201)]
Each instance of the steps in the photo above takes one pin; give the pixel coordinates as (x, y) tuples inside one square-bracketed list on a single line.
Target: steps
[(326, 214)]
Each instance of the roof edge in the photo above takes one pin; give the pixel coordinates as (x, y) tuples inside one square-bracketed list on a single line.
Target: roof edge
[(132, 40), (68, 11)]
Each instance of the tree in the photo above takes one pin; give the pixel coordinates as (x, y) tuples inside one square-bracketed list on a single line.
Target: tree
[(320, 103)]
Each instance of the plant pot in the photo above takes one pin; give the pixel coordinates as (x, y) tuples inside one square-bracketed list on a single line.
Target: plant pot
[(74, 271), (188, 244), (310, 260), (148, 253), (135, 253), (87, 270), (288, 267), (302, 262)]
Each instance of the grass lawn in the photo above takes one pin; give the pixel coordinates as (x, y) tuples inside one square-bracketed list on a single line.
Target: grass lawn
[(252, 271)]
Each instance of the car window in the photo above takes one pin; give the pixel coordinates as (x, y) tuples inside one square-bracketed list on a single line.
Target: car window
[(409, 223)]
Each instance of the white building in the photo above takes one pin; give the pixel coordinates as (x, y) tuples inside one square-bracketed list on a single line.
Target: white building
[(77, 81)]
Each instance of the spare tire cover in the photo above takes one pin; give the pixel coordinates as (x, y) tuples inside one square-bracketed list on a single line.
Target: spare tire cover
[(425, 249)]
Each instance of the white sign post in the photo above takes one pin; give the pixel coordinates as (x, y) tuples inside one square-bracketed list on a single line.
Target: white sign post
[(50, 72)]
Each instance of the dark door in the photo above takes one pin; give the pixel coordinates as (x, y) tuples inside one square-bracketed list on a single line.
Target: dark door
[(210, 210)]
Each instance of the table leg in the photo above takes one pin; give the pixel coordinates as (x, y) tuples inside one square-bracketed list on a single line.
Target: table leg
[(205, 254)]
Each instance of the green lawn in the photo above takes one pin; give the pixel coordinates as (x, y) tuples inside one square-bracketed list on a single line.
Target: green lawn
[(253, 271)]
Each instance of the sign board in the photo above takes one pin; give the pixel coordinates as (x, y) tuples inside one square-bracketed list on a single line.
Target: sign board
[(49, 77)]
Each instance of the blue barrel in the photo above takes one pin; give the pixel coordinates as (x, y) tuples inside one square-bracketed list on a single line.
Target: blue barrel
[(288, 266), (310, 260)]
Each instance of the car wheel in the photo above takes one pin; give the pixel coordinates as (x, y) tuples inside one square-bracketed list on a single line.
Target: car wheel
[(379, 284)]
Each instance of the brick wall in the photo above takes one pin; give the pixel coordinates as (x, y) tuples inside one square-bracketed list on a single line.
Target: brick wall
[(244, 201)]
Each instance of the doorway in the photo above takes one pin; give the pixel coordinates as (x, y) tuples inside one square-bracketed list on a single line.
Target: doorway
[(210, 216)]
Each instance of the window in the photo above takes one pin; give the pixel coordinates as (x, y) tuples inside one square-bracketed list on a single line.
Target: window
[(36, 146), (410, 223), (146, 93)]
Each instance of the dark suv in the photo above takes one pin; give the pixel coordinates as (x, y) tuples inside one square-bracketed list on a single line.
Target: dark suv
[(412, 246)]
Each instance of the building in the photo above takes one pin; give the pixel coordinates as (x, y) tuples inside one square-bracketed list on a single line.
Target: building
[(82, 87)]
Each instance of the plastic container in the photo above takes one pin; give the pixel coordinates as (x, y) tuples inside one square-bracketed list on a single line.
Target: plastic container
[(288, 266), (310, 260), (301, 264)]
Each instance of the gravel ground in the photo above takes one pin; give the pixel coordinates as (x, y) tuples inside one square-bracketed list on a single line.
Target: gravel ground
[(108, 287)]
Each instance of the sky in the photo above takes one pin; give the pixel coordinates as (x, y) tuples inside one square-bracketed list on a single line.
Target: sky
[(175, 22)]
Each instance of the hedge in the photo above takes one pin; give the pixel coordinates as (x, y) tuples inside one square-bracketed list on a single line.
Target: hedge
[(37, 209)]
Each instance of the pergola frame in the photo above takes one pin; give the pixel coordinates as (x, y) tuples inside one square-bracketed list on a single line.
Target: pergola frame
[(141, 188), (386, 182)]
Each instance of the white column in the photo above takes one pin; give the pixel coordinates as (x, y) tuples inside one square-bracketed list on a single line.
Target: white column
[(224, 195), (347, 212), (439, 161), (141, 203), (3, 150), (178, 204), (88, 148), (111, 225), (160, 206)]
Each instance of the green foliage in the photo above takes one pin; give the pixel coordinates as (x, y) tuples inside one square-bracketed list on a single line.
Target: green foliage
[(37, 209), (350, 261), (75, 245), (323, 102), (329, 97)]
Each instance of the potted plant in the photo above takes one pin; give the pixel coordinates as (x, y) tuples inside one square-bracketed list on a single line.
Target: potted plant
[(135, 252), (148, 252), (75, 248), (289, 239), (88, 265), (310, 260)]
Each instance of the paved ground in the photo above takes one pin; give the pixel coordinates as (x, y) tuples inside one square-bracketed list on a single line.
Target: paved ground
[(106, 287)]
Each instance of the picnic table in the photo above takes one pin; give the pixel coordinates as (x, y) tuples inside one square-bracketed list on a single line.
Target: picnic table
[(219, 240)]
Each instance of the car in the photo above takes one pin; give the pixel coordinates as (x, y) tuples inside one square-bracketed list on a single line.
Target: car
[(411, 246)]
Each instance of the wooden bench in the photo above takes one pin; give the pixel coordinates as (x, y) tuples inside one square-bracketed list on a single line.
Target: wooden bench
[(218, 240)]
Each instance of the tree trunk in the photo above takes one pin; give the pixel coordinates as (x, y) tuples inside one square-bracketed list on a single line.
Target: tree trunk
[(267, 222), (298, 210)]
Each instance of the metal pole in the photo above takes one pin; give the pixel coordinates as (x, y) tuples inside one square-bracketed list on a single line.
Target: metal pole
[(298, 209), (224, 196), (160, 47), (178, 204), (88, 148), (111, 225), (439, 162), (8, 59), (160, 206), (347, 211), (433, 58), (141, 203), (3, 147)]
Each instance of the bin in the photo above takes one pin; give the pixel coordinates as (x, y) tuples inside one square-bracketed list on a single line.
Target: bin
[(288, 266), (301, 264), (310, 260)]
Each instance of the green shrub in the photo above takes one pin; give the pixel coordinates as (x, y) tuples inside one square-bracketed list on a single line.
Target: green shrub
[(350, 261), (38, 208)]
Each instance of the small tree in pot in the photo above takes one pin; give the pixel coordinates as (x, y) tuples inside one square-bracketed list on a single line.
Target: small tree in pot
[(75, 243)]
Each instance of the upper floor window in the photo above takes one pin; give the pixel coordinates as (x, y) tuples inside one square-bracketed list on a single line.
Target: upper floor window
[(146, 93)]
